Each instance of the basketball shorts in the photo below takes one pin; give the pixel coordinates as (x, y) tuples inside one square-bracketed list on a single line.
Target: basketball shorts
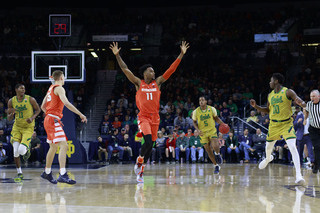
[(281, 130), (208, 135), (22, 135), (54, 130), (149, 124)]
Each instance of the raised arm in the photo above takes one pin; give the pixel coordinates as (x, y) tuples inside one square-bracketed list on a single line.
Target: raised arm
[(132, 78), (183, 49), (260, 108)]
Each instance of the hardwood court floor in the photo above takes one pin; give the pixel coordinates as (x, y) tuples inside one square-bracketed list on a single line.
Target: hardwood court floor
[(167, 188)]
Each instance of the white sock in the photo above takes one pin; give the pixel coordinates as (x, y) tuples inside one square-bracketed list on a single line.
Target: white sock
[(19, 170), (47, 170), (269, 148), (295, 155), (62, 171)]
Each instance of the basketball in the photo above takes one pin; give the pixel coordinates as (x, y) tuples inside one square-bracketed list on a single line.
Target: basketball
[(224, 128)]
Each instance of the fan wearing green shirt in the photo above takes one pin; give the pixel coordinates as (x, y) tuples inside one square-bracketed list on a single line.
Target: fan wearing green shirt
[(195, 146)]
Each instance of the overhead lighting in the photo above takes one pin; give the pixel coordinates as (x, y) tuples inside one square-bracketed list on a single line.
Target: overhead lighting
[(94, 54), (311, 44), (135, 49)]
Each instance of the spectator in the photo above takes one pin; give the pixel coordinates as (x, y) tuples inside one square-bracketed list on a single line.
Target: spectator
[(35, 148), (160, 146), (126, 120), (222, 144), (252, 120), (3, 122), (123, 100), (189, 133), (225, 113), (114, 145), (246, 145), (3, 138), (196, 146), (125, 143), (116, 123), (233, 107), (3, 156), (105, 124), (167, 121), (180, 122), (232, 145), (302, 133), (170, 148), (102, 149), (189, 122), (182, 145), (259, 143)]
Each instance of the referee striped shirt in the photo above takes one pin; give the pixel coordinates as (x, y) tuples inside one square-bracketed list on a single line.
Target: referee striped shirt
[(314, 114)]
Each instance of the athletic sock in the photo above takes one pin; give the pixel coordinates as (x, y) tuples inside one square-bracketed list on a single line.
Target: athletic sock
[(47, 170), (295, 155), (19, 170), (63, 171), (269, 148)]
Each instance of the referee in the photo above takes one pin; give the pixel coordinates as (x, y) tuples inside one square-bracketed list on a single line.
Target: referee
[(313, 110)]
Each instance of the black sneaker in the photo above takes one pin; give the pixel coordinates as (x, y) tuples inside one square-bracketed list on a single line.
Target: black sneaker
[(218, 158), (65, 179), (315, 169), (49, 177), (216, 169)]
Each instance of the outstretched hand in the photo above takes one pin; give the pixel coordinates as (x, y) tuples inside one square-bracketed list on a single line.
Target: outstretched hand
[(183, 47), (114, 47)]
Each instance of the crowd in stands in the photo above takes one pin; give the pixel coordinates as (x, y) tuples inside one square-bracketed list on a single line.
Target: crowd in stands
[(221, 66)]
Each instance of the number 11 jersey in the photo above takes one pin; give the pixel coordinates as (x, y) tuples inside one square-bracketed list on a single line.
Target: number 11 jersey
[(148, 98)]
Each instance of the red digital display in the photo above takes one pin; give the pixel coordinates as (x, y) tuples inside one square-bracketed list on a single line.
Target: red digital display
[(60, 25)]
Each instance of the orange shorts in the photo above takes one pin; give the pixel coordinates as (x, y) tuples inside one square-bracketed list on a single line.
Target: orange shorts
[(149, 124), (54, 130)]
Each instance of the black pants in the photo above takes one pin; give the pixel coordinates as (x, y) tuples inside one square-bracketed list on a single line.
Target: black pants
[(315, 138)]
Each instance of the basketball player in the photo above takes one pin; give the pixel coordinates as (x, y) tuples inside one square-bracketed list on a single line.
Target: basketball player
[(148, 101), (281, 121), (52, 105), (204, 120), (24, 109)]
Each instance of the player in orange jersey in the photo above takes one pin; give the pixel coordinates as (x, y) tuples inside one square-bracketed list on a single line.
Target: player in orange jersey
[(52, 105), (148, 101)]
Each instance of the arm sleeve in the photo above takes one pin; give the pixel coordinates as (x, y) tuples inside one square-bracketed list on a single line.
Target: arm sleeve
[(171, 69), (194, 115)]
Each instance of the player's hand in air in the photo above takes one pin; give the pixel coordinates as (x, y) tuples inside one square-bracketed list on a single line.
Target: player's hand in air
[(83, 118), (183, 47), (114, 47), (253, 103)]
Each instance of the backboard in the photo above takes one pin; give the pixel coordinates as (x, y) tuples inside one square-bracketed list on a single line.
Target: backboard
[(44, 63)]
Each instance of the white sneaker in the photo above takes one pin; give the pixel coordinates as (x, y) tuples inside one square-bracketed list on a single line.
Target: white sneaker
[(140, 175), (137, 169), (300, 180), (265, 162)]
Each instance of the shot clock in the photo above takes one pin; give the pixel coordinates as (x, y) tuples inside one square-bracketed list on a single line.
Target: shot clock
[(59, 25)]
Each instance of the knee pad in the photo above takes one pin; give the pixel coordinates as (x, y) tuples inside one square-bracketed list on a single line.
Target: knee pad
[(16, 149), (22, 150)]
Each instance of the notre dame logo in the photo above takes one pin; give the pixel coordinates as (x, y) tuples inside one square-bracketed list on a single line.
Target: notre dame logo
[(71, 149)]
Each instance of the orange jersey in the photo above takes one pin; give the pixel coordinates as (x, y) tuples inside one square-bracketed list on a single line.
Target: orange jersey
[(148, 97), (54, 105)]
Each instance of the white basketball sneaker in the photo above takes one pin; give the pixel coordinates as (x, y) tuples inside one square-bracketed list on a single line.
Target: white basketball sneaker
[(265, 162)]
